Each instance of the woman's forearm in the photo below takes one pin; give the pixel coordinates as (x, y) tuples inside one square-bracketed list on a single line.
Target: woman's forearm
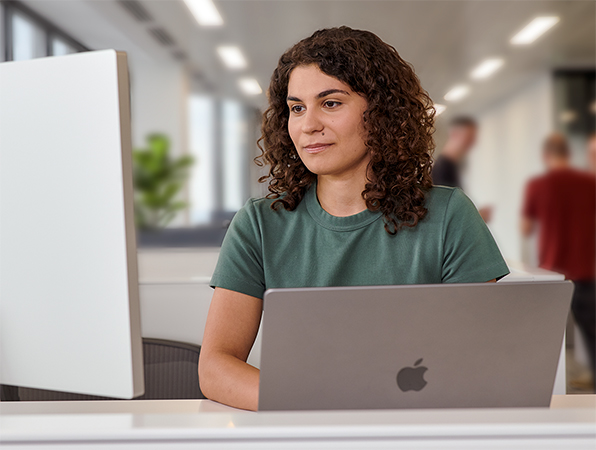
[(229, 380)]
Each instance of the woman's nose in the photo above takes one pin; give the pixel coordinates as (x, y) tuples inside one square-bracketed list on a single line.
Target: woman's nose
[(311, 122)]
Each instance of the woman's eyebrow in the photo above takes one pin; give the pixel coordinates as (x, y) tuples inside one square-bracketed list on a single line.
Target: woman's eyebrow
[(332, 91), (320, 95)]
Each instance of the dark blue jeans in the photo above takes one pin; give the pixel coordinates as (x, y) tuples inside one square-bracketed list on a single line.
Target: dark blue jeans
[(583, 307)]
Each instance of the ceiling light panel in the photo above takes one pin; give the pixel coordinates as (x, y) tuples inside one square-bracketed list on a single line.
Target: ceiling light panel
[(250, 86), (457, 93), (534, 30), (232, 57), (486, 68), (205, 12)]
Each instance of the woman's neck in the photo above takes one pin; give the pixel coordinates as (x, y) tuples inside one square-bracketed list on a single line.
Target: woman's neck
[(341, 196)]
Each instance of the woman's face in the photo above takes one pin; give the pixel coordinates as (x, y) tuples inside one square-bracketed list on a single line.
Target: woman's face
[(325, 123)]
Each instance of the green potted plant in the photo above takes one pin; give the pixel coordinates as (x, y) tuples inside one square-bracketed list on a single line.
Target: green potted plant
[(158, 178)]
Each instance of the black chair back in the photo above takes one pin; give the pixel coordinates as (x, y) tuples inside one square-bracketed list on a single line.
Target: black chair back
[(171, 372)]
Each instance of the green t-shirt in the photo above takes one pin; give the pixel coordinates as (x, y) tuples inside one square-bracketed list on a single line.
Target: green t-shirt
[(308, 247)]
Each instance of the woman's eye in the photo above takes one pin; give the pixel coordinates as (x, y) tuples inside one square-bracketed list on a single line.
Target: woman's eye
[(297, 109), (331, 104)]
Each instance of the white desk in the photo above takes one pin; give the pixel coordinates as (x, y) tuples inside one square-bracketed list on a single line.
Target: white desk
[(570, 423)]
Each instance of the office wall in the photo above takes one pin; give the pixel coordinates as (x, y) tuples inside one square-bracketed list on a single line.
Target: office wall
[(159, 97), (2, 55), (507, 154), (159, 101)]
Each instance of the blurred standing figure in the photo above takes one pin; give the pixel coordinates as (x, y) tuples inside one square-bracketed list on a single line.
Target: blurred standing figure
[(460, 140), (563, 205), (446, 169), (592, 153)]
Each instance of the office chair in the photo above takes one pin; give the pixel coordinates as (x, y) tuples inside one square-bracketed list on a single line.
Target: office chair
[(171, 372)]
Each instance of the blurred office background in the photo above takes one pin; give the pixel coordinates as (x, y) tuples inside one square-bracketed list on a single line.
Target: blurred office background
[(201, 81), (200, 69)]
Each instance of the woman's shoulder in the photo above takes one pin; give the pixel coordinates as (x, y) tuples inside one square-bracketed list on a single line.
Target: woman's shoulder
[(441, 195), (444, 201), (260, 206), (263, 210)]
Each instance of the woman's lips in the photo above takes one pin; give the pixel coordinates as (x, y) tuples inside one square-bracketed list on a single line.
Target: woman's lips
[(316, 148)]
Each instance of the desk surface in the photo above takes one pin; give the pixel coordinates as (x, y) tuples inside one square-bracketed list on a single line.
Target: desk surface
[(171, 424)]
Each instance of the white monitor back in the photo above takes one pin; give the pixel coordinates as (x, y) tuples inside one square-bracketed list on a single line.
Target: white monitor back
[(69, 305)]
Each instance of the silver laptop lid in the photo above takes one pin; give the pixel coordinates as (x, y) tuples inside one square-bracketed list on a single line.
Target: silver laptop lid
[(421, 346)]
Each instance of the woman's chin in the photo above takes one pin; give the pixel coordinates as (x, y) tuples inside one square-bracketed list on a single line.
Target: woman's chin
[(320, 170)]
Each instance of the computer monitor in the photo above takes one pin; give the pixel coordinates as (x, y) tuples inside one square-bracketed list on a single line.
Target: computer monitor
[(69, 302)]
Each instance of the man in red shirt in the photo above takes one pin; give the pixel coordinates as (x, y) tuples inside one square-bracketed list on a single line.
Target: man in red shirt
[(592, 152), (562, 205)]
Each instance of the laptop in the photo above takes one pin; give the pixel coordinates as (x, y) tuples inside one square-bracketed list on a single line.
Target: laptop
[(418, 346)]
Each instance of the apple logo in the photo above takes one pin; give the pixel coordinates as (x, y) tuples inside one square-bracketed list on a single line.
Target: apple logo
[(412, 378)]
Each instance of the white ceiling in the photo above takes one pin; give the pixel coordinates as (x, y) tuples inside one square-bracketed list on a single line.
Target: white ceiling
[(444, 39)]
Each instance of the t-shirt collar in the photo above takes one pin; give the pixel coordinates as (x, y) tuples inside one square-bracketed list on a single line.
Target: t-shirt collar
[(335, 223)]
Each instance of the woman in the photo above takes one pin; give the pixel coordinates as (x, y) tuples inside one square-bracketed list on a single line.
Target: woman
[(348, 138)]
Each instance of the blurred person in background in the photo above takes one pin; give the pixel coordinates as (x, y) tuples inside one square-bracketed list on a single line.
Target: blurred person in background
[(592, 153), (446, 169), (561, 204)]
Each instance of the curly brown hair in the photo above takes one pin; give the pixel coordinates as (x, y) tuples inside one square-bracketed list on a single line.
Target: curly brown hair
[(398, 124)]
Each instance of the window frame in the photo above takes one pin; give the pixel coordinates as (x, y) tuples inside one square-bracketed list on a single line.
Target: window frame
[(49, 29)]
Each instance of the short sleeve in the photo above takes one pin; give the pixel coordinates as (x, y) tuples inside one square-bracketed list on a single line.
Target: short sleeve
[(529, 205), (470, 254), (240, 264)]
